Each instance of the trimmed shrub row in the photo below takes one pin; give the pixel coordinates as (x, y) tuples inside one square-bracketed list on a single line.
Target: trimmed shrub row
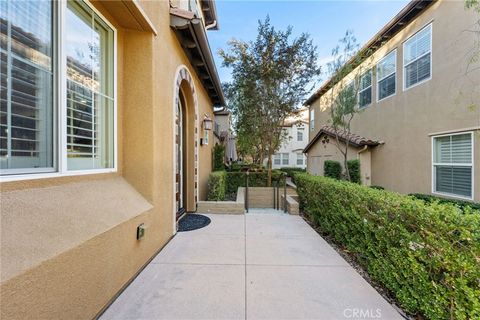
[(459, 203), (217, 186), (256, 179), (426, 254), (218, 157), (221, 183), (236, 167), (354, 171), (290, 171), (332, 169)]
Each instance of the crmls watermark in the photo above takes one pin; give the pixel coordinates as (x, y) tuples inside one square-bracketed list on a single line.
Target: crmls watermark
[(359, 313)]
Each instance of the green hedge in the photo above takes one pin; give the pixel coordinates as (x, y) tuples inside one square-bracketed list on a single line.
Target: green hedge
[(217, 186), (218, 157), (290, 171), (354, 171), (237, 167), (459, 203), (256, 179), (332, 169), (426, 254)]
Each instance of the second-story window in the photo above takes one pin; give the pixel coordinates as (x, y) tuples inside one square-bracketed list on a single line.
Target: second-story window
[(386, 75), (417, 57), (299, 134), (365, 89), (312, 119)]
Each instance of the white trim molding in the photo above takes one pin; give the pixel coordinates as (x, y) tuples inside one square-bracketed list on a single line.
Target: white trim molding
[(435, 164)]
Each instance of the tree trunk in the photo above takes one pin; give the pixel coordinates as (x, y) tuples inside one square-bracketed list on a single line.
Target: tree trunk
[(269, 168), (345, 163)]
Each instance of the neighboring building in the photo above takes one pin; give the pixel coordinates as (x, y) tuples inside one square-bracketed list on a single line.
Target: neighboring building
[(291, 153), (103, 129), (417, 131), (224, 134)]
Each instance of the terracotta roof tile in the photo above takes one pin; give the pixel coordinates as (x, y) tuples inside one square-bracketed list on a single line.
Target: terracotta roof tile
[(353, 139)]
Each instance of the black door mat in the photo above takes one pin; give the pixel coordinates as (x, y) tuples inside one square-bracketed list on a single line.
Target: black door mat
[(193, 222)]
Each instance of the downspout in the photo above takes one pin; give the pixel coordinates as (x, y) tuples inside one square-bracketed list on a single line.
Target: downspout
[(211, 25), (365, 147)]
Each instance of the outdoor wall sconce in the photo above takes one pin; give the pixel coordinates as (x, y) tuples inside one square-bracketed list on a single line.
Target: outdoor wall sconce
[(207, 123), (140, 231)]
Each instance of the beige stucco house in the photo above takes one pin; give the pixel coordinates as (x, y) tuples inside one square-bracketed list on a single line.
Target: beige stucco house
[(419, 101), (104, 117), (290, 153)]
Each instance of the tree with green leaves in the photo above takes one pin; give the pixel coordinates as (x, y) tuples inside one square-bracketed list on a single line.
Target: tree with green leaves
[(350, 70), (271, 77), (475, 53)]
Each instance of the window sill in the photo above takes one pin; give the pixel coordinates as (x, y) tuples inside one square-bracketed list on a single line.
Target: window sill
[(405, 88), (46, 175), (453, 196)]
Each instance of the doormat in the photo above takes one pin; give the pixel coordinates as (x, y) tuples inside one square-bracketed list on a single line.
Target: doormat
[(193, 222)]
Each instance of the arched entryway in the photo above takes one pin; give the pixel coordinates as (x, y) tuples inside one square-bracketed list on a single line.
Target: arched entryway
[(185, 144)]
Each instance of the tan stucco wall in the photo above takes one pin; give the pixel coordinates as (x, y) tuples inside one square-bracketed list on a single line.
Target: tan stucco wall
[(320, 152), (65, 259), (405, 120)]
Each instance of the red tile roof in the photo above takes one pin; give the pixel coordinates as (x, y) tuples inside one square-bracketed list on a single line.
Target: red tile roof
[(353, 139)]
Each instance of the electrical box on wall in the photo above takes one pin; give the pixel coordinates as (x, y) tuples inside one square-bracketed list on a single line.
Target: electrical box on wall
[(140, 232)]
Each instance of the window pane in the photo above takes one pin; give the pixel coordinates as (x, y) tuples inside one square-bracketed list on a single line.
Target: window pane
[(387, 65), (299, 136), (386, 87), (26, 100), (454, 180), (365, 97), (89, 46), (300, 159), (276, 159), (453, 149), (417, 71), (462, 148), (443, 150), (366, 80), (417, 45)]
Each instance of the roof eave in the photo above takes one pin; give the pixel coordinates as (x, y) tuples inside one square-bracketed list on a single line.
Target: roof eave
[(191, 34), (342, 139), (210, 14), (412, 10)]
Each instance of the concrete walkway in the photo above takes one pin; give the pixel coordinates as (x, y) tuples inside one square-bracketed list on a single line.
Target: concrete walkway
[(255, 266)]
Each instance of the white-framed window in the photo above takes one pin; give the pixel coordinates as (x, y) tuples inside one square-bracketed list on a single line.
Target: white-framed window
[(312, 119), (277, 159), (417, 58), (452, 165), (285, 161), (386, 76), (300, 159), (300, 134), (57, 90), (365, 89)]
